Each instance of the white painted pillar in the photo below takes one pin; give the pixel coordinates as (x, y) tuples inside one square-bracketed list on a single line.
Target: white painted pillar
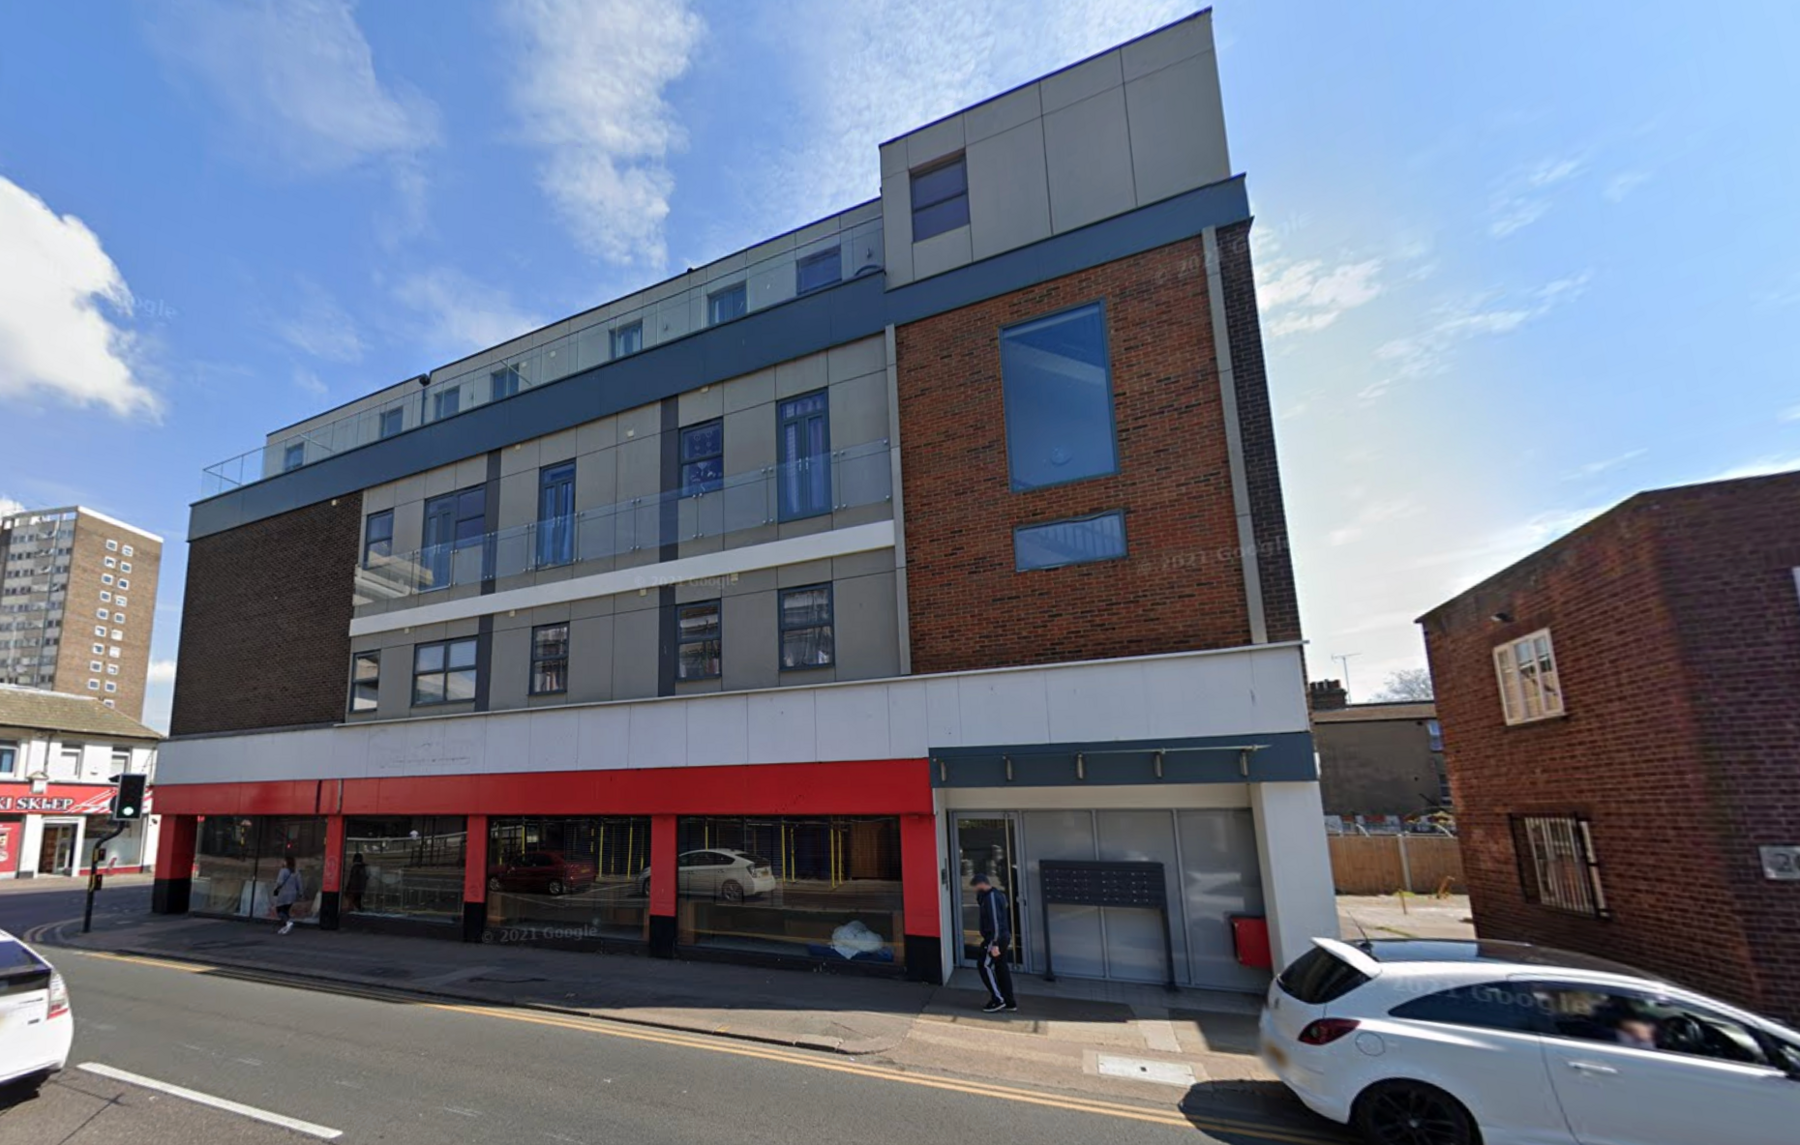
[(31, 839), (1296, 867)]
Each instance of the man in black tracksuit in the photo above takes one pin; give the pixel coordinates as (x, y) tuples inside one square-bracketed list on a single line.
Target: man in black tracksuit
[(996, 944)]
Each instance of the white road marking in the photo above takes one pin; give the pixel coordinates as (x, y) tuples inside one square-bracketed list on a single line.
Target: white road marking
[(322, 1132), (459, 1112)]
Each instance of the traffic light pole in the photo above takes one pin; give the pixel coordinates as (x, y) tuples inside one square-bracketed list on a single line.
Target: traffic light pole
[(87, 914)]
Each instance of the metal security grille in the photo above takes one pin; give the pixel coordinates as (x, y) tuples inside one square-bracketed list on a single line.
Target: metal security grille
[(1557, 864)]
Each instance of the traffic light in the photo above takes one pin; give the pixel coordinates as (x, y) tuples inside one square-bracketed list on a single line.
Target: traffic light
[(128, 804)]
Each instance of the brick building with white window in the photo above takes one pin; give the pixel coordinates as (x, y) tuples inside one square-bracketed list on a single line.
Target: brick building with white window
[(1621, 722), (751, 615)]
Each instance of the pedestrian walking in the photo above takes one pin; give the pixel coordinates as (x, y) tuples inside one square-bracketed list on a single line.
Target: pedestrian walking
[(356, 883), (995, 965), (287, 893)]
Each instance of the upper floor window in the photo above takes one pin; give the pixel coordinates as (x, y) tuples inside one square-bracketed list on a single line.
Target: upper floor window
[(112, 546), (293, 457), (627, 339), (806, 631), (365, 681), (724, 305), (1434, 735), (703, 458), (1529, 687), (127, 550), (444, 672), (9, 758), (556, 514), (124, 566), (392, 421), (1078, 542), (940, 198), (505, 383), (378, 537), (697, 641), (446, 402), (453, 522), (1057, 391), (110, 562), (818, 270), (805, 444), (549, 659)]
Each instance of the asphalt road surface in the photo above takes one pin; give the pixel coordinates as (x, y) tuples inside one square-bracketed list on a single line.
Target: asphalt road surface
[(365, 1066)]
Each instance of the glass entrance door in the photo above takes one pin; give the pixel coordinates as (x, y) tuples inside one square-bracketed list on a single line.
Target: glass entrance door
[(988, 844)]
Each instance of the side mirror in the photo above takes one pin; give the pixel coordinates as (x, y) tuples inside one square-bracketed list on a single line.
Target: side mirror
[(1787, 1059)]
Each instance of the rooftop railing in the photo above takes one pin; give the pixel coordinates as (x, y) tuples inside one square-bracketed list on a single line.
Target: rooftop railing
[(730, 289)]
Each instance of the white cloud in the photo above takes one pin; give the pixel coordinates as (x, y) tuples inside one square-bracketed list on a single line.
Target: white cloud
[(589, 83), (161, 672), (320, 327), (462, 314), (310, 383), (300, 79), (1524, 197), (1297, 297), (8, 506), (1371, 515), (60, 298), (1595, 468), (1429, 351), (1623, 184), (1792, 413), (1761, 467)]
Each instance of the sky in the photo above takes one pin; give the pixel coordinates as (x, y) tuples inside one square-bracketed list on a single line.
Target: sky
[(1515, 262)]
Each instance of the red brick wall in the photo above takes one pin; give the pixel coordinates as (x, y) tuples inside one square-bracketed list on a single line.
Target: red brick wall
[(265, 622), (1181, 586), (1677, 636)]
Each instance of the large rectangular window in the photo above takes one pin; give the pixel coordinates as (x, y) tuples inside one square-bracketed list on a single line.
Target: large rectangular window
[(806, 636), (405, 866), (568, 879), (444, 672), (724, 305), (445, 403), (293, 457), (816, 271), (365, 681), (827, 888), (392, 421), (1058, 396), (1557, 864), (697, 641), (805, 455), (556, 515), (940, 199), (454, 523), (503, 383), (628, 339), (1530, 688), (1077, 542), (378, 537), (549, 659), (237, 859), (703, 458)]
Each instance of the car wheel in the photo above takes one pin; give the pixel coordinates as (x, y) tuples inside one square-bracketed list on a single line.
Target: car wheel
[(644, 888), (494, 883), (1413, 1113), (731, 891), (555, 887)]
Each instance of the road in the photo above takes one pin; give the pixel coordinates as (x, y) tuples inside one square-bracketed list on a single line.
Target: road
[(371, 1066)]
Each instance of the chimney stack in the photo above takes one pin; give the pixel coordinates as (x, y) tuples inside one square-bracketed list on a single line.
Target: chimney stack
[(1328, 695)]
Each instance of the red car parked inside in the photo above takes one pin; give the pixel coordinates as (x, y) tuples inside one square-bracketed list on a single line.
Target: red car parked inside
[(542, 873)]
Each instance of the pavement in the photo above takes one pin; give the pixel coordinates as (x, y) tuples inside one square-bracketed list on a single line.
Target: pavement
[(1405, 916), (1192, 1050)]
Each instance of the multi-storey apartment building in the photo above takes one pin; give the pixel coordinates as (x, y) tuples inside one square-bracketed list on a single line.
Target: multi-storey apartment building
[(753, 614), (67, 580)]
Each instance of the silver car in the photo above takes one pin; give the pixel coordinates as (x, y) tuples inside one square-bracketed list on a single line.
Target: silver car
[(729, 876)]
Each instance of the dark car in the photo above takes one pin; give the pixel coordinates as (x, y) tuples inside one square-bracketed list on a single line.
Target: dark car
[(542, 873)]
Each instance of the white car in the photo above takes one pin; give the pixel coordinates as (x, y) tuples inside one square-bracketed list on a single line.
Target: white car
[(36, 1026), (730, 876), (1420, 1042)]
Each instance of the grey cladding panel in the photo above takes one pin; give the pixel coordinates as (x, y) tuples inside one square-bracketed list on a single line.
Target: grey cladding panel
[(1168, 154), (1090, 161)]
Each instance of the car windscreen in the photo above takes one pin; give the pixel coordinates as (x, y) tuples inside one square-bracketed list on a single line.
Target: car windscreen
[(1319, 976)]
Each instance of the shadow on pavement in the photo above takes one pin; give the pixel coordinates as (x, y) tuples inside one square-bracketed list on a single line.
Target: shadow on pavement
[(1245, 1112)]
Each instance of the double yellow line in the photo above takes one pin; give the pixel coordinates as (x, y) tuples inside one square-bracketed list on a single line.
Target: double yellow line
[(718, 1045)]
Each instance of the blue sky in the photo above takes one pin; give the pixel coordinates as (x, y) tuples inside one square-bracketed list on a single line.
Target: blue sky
[(1517, 262)]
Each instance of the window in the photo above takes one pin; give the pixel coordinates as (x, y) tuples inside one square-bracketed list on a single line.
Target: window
[(1058, 397), (1490, 1006), (505, 383), (1529, 688), (124, 584), (556, 514), (702, 458), (112, 686), (445, 403), (1434, 735), (112, 546), (805, 445), (121, 760), (365, 681), (444, 673), (549, 659), (1318, 977), (127, 550), (414, 865), (118, 618), (103, 614), (697, 641), (106, 597), (1644, 1020), (818, 270), (806, 640), (108, 703), (724, 305), (106, 578), (99, 630), (392, 421), (627, 339), (113, 651), (453, 522), (124, 566), (99, 649), (378, 537), (9, 758), (291, 459), (95, 665), (93, 685), (112, 669), (117, 635), (112, 562), (119, 600), (1557, 867), (940, 199), (561, 877), (1077, 542)]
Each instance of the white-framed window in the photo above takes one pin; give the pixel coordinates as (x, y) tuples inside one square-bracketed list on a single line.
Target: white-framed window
[(112, 546), (99, 649), (106, 578), (127, 550), (124, 584), (124, 566), (108, 703), (103, 614), (112, 669), (100, 630), (93, 685), (113, 651), (95, 666), (112, 562), (1557, 864), (105, 597), (112, 686), (1529, 686), (120, 601), (116, 634)]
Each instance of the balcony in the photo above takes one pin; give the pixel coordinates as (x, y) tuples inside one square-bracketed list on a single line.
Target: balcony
[(739, 510), (767, 275)]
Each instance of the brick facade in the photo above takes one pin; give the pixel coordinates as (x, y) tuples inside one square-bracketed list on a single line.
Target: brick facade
[(1676, 629), (1181, 586), (265, 636), (87, 564)]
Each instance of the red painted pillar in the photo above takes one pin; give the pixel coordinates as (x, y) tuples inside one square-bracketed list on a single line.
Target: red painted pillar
[(331, 879), (922, 897), (662, 885), (475, 866), (174, 864)]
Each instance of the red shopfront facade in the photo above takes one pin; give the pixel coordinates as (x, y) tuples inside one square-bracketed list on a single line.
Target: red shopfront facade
[(823, 862), (52, 833)]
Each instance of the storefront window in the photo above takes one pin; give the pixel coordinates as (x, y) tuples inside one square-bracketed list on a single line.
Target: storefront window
[(568, 879), (236, 859), (826, 888), (411, 866)]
